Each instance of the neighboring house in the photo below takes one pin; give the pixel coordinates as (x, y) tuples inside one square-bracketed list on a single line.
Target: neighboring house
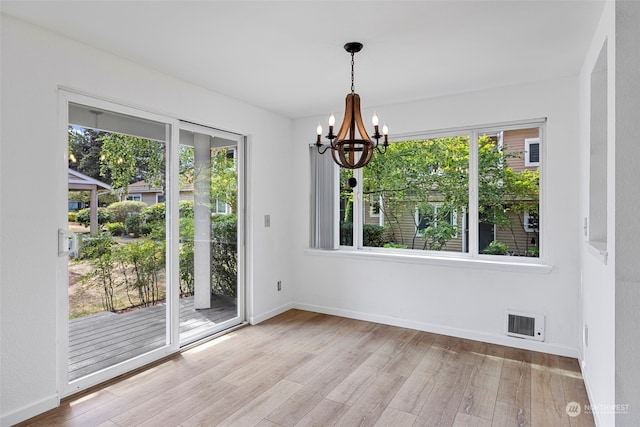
[(80, 182), (141, 191)]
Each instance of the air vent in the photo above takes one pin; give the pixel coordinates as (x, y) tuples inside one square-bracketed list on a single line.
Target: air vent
[(524, 325)]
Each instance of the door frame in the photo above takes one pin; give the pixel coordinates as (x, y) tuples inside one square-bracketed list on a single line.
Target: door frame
[(172, 346), (240, 141)]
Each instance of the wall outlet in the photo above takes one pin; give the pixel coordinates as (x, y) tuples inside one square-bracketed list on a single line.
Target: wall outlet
[(267, 220), (279, 285)]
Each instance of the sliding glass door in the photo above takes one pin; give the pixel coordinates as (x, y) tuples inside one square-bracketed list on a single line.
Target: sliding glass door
[(150, 253), (210, 255)]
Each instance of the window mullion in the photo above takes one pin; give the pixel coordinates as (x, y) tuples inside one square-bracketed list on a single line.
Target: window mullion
[(473, 195), (358, 210)]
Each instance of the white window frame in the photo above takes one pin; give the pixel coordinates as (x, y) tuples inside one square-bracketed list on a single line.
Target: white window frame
[(133, 197), (533, 264), (215, 203), (527, 151)]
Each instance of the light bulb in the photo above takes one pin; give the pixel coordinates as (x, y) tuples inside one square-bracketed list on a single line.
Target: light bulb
[(374, 119), (319, 129), (332, 120), (385, 129)]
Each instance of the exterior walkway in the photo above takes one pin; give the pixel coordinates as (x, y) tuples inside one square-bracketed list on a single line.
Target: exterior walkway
[(104, 339)]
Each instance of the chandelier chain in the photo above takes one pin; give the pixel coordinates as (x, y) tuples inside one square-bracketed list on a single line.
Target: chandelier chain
[(352, 65)]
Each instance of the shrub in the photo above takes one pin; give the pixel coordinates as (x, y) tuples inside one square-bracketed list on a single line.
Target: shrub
[(372, 236), (346, 233), (186, 230), (115, 228), (140, 265), (224, 254), (71, 216), (156, 230), (224, 228), (94, 246), (154, 213), (186, 208), (121, 210), (395, 246), (187, 279), (133, 224), (496, 248), (533, 252), (83, 216)]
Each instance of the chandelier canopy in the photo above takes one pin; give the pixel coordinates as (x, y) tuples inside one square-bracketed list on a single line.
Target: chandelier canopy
[(349, 151)]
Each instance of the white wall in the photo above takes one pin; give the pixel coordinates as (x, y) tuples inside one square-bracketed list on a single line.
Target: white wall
[(627, 197), (468, 302), (34, 63), (597, 270)]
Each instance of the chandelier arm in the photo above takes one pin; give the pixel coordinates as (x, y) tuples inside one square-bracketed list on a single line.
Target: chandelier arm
[(381, 151), (326, 147)]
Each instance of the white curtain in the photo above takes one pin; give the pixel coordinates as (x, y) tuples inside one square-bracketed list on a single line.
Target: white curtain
[(323, 201)]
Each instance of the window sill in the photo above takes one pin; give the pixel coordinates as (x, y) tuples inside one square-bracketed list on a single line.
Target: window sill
[(599, 250), (444, 261)]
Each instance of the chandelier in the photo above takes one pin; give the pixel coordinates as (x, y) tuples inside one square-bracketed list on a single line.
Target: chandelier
[(348, 151)]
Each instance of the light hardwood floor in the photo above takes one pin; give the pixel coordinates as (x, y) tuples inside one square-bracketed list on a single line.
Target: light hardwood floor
[(308, 369)]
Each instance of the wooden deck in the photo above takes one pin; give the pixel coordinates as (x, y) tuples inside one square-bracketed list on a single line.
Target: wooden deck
[(104, 339)]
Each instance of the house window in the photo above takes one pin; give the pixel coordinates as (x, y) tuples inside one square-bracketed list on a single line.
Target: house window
[(374, 206), (219, 207), (532, 152), (530, 222), (482, 175), (436, 217), (134, 197)]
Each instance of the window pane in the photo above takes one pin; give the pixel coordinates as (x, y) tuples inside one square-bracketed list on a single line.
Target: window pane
[(346, 207), (421, 188), (508, 193)]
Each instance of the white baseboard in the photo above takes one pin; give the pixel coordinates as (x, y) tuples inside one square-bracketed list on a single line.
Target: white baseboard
[(269, 314), (26, 412), (543, 347)]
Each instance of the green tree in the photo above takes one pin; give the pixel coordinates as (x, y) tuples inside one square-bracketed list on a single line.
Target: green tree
[(85, 150), (418, 174), (129, 159), (224, 178)]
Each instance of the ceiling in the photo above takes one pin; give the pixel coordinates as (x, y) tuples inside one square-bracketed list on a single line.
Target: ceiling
[(288, 57)]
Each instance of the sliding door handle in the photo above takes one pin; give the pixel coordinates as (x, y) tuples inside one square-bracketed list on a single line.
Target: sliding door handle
[(67, 243)]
